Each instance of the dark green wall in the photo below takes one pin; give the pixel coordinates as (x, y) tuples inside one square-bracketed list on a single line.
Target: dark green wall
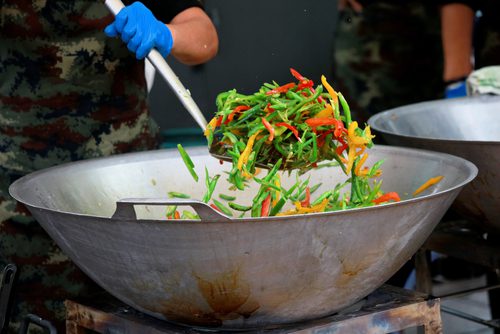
[(259, 41)]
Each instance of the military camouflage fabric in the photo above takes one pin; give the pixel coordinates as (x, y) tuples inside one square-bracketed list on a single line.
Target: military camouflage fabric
[(67, 92), (388, 56)]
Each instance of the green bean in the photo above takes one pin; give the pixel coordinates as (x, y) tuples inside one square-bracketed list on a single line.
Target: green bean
[(238, 207), (345, 108), (323, 196), (174, 194), (188, 162), (189, 215), (222, 208), (210, 183), (314, 155), (171, 210), (227, 197)]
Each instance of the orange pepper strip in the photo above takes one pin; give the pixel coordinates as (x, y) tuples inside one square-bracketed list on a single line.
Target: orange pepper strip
[(427, 184), (246, 152), (391, 196), (325, 113), (269, 128), (210, 126), (357, 170), (331, 91)]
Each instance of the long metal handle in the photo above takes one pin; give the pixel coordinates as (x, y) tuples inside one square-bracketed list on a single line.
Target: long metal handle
[(7, 282), (125, 208), (34, 319), (161, 65)]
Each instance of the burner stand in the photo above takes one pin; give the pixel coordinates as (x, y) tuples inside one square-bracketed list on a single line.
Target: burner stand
[(388, 309)]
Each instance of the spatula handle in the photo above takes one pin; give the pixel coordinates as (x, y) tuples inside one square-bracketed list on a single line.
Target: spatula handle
[(166, 72), (125, 208)]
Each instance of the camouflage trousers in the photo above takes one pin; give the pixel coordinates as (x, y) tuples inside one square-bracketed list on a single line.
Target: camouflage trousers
[(388, 56), (46, 276)]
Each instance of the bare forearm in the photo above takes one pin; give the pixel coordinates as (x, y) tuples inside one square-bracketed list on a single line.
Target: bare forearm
[(456, 32), (195, 37)]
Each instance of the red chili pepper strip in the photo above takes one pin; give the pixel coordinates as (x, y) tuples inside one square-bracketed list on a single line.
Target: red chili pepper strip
[(305, 84), (391, 196), (234, 112), (266, 206), (213, 206), (291, 128), (339, 126), (281, 89), (219, 122), (341, 148), (177, 215), (269, 128), (268, 108), (307, 201), (297, 75)]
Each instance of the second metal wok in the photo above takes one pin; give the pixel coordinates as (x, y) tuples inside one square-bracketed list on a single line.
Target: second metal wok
[(465, 127), (227, 272)]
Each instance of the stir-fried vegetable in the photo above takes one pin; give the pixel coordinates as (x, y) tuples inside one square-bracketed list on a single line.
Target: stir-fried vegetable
[(292, 126)]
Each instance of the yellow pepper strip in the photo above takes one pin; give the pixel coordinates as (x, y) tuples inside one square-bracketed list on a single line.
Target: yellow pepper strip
[(246, 175), (358, 170), (330, 90), (427, 184), (210, 126), (355, 139), (277, 193), (356, 142), (350, 158), (301, 210), (246, 152), (315, 208), (325, 113)]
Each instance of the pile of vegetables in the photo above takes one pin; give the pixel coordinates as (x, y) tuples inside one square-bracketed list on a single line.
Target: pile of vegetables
[(295, 126)]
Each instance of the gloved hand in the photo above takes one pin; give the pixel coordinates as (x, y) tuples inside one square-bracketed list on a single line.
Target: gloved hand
[(141, 31), (455, 89)]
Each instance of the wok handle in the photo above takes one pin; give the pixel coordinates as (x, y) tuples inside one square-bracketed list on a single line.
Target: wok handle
[(168, 74), (125, 208)]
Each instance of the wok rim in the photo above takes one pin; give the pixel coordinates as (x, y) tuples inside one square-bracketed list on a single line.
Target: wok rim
[(194, 151), (412, 108)]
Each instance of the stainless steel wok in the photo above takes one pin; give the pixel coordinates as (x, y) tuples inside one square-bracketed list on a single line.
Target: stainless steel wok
[(234, 273), (466, 127)]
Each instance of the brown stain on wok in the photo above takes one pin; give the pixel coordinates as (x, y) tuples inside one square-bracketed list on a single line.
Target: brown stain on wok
[(227, 295)]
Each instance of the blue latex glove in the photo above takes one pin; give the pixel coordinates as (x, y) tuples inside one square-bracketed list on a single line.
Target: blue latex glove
[(141, 31), (456, 89)]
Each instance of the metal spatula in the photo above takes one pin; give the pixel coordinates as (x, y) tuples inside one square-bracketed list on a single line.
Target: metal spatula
[(166, 72)]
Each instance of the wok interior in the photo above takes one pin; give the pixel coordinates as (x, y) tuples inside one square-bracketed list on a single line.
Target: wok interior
[(464, 119), (92, 187)]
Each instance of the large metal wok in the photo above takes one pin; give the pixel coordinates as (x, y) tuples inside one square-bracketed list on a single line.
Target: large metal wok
[(235, 273), (466, 127)]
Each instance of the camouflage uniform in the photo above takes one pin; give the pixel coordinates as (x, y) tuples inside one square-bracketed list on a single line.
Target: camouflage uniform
[(67, 92), (388, 56)]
